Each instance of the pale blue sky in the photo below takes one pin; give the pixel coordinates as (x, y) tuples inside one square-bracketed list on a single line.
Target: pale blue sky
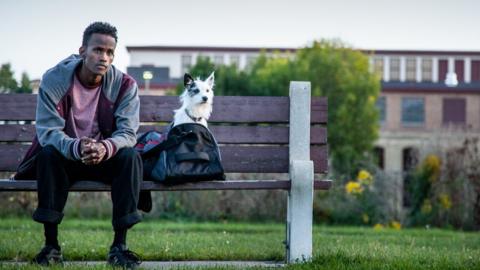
[(35, 34)]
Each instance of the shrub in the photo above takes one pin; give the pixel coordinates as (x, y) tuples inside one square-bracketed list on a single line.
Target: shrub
[(364, 200), (444, 188)]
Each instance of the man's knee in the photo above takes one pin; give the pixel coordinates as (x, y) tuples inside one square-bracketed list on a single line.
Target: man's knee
[(128, 155)]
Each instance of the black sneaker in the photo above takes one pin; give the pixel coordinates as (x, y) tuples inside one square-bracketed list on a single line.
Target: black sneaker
[(122, 257), (48, 255)]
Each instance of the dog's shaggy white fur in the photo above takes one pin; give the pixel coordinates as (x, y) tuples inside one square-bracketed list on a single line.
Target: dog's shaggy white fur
[(197, 100)]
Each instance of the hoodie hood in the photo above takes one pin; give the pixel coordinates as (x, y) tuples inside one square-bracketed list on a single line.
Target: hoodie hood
[(58, 79)]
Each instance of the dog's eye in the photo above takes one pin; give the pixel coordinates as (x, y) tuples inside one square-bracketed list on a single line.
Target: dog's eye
[(208, 90)]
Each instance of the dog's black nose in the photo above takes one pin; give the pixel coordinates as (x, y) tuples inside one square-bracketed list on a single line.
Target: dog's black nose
[(205, 99)]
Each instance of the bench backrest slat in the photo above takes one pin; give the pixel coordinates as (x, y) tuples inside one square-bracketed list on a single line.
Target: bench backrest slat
[(223, 134), (160, 109)]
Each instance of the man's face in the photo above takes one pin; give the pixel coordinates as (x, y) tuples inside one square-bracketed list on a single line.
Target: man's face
[(98, 54)]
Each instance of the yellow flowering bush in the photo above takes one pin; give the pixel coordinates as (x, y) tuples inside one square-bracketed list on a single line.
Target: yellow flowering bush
[(396, 225), (424, 188), (432, 164), (353, 187), (445, 201), (364, 177)]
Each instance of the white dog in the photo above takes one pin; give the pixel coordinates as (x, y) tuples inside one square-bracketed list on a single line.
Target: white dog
[(197, 100)]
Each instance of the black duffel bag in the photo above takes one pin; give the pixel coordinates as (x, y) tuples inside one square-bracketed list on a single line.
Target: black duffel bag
[(189, 153)]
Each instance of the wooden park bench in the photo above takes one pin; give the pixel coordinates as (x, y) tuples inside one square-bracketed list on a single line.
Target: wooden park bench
[(256, 135)]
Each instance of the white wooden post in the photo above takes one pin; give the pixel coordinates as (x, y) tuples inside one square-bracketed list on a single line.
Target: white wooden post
[(300, 196)]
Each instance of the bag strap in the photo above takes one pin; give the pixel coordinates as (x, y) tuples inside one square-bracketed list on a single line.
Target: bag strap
[(170, 142)]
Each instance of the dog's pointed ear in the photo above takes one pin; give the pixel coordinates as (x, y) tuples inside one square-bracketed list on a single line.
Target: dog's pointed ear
[(187, 80), (211, 79)]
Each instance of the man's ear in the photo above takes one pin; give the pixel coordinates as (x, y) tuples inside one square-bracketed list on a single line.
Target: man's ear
[(81, 51), (210, 80), (187, 80)]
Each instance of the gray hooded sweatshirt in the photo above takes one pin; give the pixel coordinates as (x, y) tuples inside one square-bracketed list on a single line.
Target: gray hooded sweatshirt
[(118, 110)]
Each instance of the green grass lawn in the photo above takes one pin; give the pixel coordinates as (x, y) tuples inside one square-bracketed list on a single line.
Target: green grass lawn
[(334, 247)]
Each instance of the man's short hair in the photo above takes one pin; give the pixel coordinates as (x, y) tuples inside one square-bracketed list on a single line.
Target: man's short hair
[(99, 28)]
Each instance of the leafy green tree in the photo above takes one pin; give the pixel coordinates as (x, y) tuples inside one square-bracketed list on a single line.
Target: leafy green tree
[(270, 76), (25, 84), (7, 81), (230, 81), (342, 74)]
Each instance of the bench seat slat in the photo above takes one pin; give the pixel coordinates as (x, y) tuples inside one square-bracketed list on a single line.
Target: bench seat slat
[(31, 185), (223, 134), (235, 158), (160, 108)]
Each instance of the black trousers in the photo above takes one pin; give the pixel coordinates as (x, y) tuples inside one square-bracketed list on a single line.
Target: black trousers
[(56, 175)]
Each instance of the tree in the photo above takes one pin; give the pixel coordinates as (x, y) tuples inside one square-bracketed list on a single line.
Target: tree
[(342, 74), (7, 81), (25, 84), (270, 76)]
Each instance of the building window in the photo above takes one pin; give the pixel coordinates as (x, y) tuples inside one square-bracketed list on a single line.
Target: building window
[(186, 63), (395, 69), (454, 111), (411, 69), (378, 66), (442, 70), (381, 106), (413, 111), (426, 70), (459, 70), (379, 155), (475, 70), (235, 60), (410, 158), (218, 59)]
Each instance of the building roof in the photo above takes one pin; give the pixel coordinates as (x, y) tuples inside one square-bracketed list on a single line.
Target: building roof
[(430, 87), (421, 52), (285, 49), (207, 48)]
